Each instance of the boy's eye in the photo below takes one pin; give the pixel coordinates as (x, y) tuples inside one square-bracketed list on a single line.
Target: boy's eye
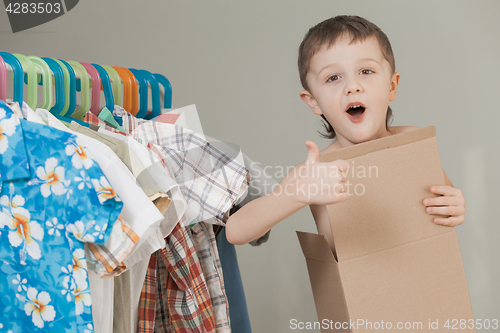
[(367, 71), (332, 78)]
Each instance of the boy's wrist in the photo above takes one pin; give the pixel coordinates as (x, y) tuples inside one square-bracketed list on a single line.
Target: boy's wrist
[(291, 194)]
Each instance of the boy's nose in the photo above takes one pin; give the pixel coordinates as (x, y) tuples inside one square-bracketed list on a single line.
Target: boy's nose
[(352, 86)]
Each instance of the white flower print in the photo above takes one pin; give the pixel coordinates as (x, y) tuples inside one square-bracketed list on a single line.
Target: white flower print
[(23, 230), (68, 282), (16, 201), (21, 283), (37, 307), (82, 296), (89, 329), (99, 233), (7, 128), (54, 227), (104, 190), (79, 230), (83, 181), (79, 156), (52, 178), (79, 266)]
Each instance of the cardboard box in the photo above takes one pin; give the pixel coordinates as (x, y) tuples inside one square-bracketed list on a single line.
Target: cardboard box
[(391, 263)]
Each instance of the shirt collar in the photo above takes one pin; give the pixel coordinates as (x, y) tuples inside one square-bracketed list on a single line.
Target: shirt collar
[(51, 120), (30, 115), (14, 162)]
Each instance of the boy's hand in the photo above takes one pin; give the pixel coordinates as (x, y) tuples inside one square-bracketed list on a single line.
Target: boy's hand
[(451, 203), (321, 183)]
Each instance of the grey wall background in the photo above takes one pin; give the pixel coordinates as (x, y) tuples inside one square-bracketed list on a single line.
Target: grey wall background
[(237, 62)]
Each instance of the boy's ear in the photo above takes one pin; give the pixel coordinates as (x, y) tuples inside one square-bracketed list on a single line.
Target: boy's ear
[(311, 101), (394, 85)]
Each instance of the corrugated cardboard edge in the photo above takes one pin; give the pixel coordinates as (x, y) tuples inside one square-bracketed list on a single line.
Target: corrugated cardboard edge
[(392, 141), (325, 279)]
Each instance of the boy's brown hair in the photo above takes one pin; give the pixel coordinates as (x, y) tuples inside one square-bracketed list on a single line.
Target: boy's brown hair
[(327, 34)]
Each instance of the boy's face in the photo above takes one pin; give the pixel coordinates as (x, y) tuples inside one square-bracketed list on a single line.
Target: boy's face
[(349, 75)]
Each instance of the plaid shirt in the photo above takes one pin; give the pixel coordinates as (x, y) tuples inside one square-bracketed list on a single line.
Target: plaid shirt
[(147, 300), (206, 247), (209, 180), (107, 260), (183, 303)]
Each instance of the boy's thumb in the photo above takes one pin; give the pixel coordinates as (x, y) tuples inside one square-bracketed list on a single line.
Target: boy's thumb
[(313, 152)]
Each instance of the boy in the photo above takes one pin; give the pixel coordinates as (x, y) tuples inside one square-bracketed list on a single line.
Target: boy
[(347, 69)]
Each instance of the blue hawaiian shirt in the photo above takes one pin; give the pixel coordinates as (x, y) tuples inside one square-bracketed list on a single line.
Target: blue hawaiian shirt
[(53, 198)]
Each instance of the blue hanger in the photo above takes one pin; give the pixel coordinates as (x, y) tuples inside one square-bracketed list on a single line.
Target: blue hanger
[(106, 86), (155, 94), (72, 88), (59, 83), (167, 90), (15, 64)]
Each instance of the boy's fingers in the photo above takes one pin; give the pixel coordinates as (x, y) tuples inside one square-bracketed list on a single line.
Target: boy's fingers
[(444, 190), (343, 196), (441, 201), (313, 152), (341, 190), (446, 210), (341, 167), (451, 221)]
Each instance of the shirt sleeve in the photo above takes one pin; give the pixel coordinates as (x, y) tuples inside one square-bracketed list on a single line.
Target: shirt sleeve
[(93, 206)]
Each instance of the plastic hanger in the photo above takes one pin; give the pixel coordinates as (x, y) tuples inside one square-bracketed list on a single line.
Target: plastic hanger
[(3, 80), (116, 82), (46, 80), (84, 88), (32, 79), (130, 94), (106, 87), (17, 69), (56, 68), (143, 91), (95, 106), (69, 88), (167, 90), (147, 79), (59, 80), (155, 95)]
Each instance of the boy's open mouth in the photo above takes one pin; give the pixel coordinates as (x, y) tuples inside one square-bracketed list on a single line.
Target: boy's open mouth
[(356, 111)]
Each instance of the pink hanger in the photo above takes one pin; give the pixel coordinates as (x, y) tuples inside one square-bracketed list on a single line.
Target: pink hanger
[(3, 80), (96, 87)]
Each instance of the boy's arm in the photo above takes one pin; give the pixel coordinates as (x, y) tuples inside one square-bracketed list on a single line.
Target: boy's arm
[(258, 216), (310, 182)]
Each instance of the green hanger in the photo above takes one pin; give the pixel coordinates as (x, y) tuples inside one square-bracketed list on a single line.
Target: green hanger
[(46, 81), (117, 83), (85, 90), (66, 87), (32, 79)]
